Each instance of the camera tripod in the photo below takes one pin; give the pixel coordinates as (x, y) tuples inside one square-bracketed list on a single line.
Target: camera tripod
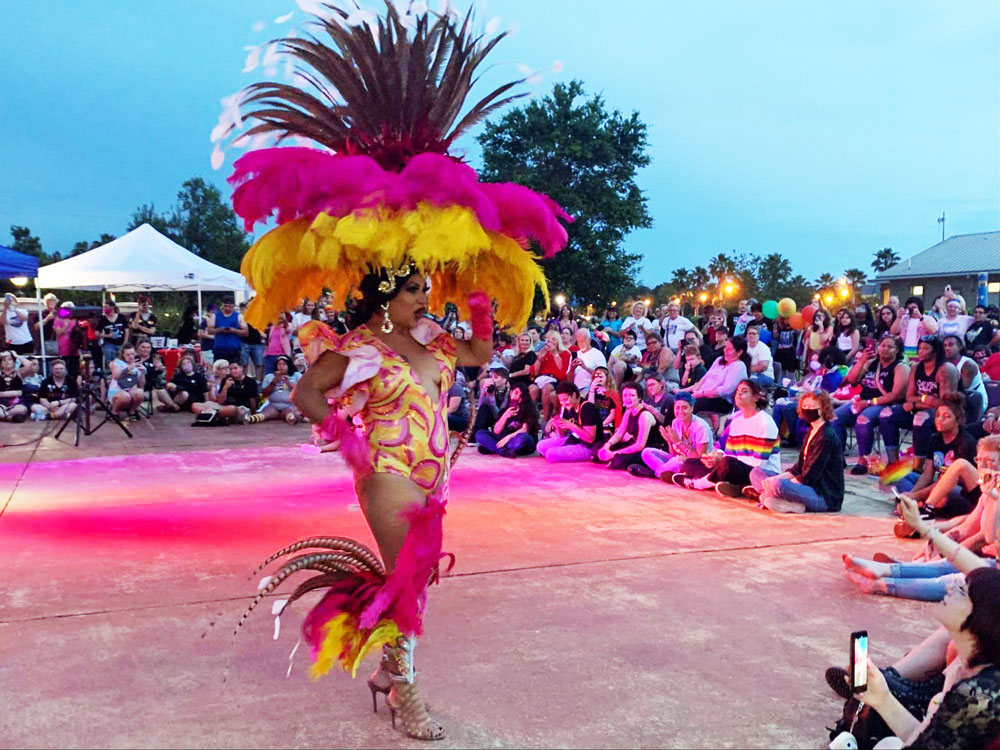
[(84, 404)]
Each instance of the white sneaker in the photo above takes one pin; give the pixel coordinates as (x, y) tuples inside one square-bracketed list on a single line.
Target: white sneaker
[(780, 505), (244, 415)]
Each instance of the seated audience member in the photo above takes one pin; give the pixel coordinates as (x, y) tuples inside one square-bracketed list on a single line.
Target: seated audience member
[(886, 317), (714, 392), (277, 389), (931, 378), (984, 332), (585, 361), (11, 407), (656, 356), (721, 337), (31, 379), (624, 358), (761, 361), (576, 431), (949, 444), (716, 320), (551, 369), (237, 396), (612, 326), (966, 711), (624, 448), (816, 482), (458, 406), (912, 325), (675, 326), (607, 400), (693, 338), (520, 364), (818, 335), (188, 386), (955, 322), (220, 370), (846, 335), (493, 400), (692, 368), (822, 374), (970, 380), (566, 335), (156, 373), (757, 310), (882, 375), (57, 397), (301, 363), (738, 323), (988, 362), (535, 334), (128, 378), (658, 401), (865, 321), (785, 342), (751, 442), (503, 352), (640, 323), (928, 576), (516, 430), (686, 437)]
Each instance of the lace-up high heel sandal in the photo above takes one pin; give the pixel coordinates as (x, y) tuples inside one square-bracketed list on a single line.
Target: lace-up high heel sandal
[(381, 679), (404, 696)]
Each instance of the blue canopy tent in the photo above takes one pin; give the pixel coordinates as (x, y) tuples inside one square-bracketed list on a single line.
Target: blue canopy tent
[(14, 264)]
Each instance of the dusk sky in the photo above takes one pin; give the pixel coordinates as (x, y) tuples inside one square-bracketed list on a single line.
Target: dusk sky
[(823, 131)]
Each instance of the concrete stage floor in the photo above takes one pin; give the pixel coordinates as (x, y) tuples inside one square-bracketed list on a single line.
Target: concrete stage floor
[(587, 609)]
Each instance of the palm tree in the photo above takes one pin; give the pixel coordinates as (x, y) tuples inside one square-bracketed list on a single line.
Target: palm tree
[(856, 277), (701, 277), (825, 281), (720, 267), (885, 259)]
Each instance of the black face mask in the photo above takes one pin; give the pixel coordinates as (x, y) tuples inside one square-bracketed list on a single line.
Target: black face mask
[(810, 415)]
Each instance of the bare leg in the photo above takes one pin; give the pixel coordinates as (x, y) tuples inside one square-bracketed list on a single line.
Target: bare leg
[(867, 568), (383, 499), (960, 472), (926, 659)]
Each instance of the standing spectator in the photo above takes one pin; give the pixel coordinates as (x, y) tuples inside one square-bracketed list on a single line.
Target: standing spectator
[(714, 392), (970, 380), (738, 325), (228, 328), (716, 320), (188, 386), (143, 322), (111, 332), (886, 318), (305, 314), (207, 339), (984, 332), (675, 326), (44, 325), (606, 398), (846, 334), (931, 378), (279, 343), (128, 378), (69, 339), (955, 322), (761, 364), (587, 359), (252, 347), (16, 331), (551, 369), (912, 326), (624, 448), (277, 389), (613, 325), (187, 334), (949, 295), (577, 431), (818, 335), (516, 430), (784, 344), (521, 363), (687, 436), (639, 323), (565, 319), (237, 395), (816, 482), (883, 379), (57, 397), (12, 409)]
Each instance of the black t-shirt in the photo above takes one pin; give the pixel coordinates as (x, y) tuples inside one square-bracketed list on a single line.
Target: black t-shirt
[(980, 334), (154, 377), (114, 333), (148, 322), (944, 454), (240, 392), (589, 416), (10, 382), (519, 363), (253, 336), (194, 385), (54, 392)]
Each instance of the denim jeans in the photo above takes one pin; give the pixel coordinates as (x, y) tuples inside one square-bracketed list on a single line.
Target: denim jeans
[(252, 353), (956, 504), (785, 411), (662, 461), (555, 450), (924, 581), (899, 419), (764, 381), (845, 417), (521, 444)]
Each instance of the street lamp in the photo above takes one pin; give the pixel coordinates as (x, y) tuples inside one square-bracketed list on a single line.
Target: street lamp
[(828, 299), (19, 280), (560, 300), (703, 297)]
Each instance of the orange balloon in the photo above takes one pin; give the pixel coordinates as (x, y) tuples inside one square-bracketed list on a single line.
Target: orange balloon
[(807, 314), (796, 321)]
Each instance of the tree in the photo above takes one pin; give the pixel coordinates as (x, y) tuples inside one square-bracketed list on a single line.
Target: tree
[(82, 247), (586, 159), (25, 242), (824, 281), (856, 278), (885, 259), (201, 222)]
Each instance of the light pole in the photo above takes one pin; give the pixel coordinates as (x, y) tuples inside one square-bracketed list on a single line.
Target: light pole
[(941, 222)]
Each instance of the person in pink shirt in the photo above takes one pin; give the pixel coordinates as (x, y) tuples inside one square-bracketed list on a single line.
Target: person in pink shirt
[(279, 343)]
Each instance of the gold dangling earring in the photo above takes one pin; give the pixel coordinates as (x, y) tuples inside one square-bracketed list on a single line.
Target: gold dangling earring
[(387, 321)]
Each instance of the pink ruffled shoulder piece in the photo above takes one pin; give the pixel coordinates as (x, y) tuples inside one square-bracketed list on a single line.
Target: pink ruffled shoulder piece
[(364, 360), (302, 182)]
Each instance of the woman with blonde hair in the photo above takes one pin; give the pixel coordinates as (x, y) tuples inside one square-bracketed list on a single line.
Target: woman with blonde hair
[(640, 323)]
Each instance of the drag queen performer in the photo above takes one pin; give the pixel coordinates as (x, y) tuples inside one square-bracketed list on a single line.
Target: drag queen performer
[(384, 216)]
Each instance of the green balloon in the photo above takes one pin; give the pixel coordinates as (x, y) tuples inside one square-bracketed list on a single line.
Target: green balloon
[(771, 309)]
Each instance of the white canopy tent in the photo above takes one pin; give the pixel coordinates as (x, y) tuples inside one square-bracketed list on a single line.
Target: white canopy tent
[(141, 261)]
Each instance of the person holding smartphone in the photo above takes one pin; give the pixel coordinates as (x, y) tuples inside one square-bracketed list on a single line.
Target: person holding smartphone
[(911, 325)]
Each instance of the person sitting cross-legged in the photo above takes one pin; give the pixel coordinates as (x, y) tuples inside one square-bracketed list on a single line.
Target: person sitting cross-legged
[(927, 578), (576, 430), (128, 379), (516, 429), (493, 399), (750, 441), (237, 395), (277, 389), (188, 386), (686, 437), (608, 400), (11, 407), (57, 397), (624, 448), (816, 482)]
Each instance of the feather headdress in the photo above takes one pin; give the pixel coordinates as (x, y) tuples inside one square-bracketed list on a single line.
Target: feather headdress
[(387, 99)]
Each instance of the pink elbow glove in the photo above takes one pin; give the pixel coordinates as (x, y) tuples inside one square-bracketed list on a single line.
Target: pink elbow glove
[(480, 315)]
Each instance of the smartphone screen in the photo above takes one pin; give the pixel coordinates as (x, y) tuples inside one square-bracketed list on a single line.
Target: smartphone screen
[(859, 661)]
